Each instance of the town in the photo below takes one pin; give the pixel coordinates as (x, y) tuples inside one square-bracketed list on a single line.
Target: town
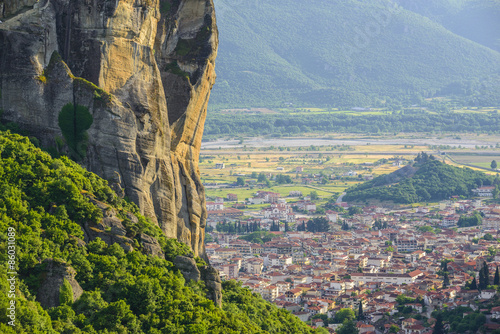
[(387, 269)]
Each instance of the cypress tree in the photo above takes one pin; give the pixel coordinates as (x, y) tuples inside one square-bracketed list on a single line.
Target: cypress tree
[(446, 280), (361, 316), (496, 280), (486, 274), (439, 327), (444, 265), (473, 284), (482, 283)]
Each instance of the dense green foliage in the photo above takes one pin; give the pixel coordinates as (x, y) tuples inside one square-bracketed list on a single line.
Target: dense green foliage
[(461, 319), (393, 122), (466, 221), (243, 303), (47, 201), (65, 293), (433, 181), (318, 224), (259, 237), (344, 314), (348, 327), (74, 122), (353, 53), (237, 227)]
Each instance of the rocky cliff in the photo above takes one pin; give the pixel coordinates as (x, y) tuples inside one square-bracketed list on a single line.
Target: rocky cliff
[(122, 86)]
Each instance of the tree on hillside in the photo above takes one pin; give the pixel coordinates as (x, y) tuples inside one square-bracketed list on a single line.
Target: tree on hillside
[(318, 225), (65, 293), (446, 280), (348, 327), (494, 164), (361, 315), (486, 274), (354, 210), (473, 284), (345, 226), (496, 280), (394, 329), (344, 314), (444, 264), (481, 284), (439, 326), (473, 220), (423, 157)]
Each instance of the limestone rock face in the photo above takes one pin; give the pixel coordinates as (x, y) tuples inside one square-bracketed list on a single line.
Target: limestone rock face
[(188, 268), (143, 69), (208, 274), (53, 276), (213, 284)]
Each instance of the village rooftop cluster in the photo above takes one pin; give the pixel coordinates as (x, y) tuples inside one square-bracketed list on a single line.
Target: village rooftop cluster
[(394, 266)]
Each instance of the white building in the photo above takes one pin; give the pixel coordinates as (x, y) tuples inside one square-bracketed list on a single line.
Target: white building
[(387, 278), (484, 191)]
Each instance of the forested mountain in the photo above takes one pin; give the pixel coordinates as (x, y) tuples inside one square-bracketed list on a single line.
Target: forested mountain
[(477, 20), (354, 53), (85, 260), (426, 180)]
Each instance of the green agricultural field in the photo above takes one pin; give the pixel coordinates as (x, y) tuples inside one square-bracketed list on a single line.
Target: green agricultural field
[(307, 161), (247, 192)]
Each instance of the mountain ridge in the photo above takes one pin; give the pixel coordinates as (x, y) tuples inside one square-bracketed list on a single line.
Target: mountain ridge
[(342, 54)]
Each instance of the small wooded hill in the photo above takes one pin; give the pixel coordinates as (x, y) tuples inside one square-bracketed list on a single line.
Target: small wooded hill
[(75, 237), (425, 180)]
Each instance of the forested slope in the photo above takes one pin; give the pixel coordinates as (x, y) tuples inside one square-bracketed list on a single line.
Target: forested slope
[(98, 266), (427, 180)]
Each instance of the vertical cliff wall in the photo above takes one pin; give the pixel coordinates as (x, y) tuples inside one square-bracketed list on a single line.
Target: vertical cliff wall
[(134, 77)]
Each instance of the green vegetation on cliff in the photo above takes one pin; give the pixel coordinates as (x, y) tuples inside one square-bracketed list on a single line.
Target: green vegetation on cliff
[(74, 122), (427, 180), (50, 203), (355, 53)]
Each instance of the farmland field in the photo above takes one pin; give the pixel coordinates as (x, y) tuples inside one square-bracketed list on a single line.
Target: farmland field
[(314, 165)]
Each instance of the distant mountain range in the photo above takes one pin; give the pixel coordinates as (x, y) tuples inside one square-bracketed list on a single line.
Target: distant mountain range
[(356, 53)]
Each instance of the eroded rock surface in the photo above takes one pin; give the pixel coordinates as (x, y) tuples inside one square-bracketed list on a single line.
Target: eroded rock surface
[(208, 274), (213, 284), (144, 70), (188, 268), (53, 276)]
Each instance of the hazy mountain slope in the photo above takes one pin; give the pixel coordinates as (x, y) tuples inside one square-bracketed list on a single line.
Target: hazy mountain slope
[(477, 20), (338, 53)]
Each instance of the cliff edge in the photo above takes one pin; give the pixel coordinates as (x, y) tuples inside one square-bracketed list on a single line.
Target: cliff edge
[(121, 86)]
